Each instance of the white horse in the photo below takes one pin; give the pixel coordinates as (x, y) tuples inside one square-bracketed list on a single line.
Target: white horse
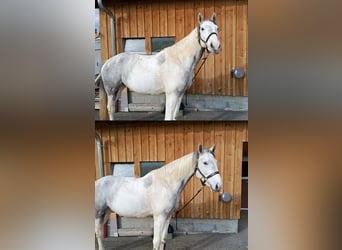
[(170, 71), (156, 194)]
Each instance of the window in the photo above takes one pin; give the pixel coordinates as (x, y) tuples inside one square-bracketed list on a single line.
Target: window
[(159, 43), (147, 166), (123, 169), (136, 45)]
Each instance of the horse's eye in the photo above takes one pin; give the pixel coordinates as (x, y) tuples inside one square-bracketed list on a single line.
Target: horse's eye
[(202, 29), (205, 163)]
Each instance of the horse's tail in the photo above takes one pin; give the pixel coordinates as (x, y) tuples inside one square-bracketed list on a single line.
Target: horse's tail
[(97, 80)]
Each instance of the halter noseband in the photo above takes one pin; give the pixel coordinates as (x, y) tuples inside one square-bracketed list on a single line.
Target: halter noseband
[(212, 33), (205, 178)]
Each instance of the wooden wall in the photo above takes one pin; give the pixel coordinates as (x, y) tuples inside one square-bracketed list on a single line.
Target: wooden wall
[(146, 19), (165, 141)]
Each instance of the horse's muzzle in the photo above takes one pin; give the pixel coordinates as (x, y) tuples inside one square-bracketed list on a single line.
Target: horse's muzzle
[(217, 188)]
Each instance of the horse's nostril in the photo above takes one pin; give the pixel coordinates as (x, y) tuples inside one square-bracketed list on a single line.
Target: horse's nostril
[(216, 187)]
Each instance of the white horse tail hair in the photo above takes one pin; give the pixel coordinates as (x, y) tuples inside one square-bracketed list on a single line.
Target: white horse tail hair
[(97, 80)]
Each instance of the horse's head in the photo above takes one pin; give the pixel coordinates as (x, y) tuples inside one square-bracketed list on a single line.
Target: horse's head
[(206, 169), (208, 34)]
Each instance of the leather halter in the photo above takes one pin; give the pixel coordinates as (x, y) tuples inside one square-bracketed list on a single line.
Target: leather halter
[(205, 178), (206, 40)]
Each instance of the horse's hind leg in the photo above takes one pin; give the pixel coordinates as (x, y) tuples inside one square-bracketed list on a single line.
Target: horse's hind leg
[(112, 96), (99, 221), (110, 106)]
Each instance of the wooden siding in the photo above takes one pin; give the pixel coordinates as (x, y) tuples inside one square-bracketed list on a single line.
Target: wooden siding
[(146, 19), (165, 141)]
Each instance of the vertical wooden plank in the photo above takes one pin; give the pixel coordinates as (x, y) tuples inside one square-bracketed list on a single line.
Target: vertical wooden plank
[(161, 142), (171, 19), (220, 157), (137, 150), (241, 44), (246, 91), (237, 172), (155, 19), (163, 18), (125, 20), (113, 144), (121, 144), (169, 143), (179, 12), (189, 23), (145, 156), (152, 138), (228, 180), (106, 149), (118, 27), (230, 44), (179, 140), (133, 23), (140, 19), (106, 145), (129, 143), (220, 71), (148, 26), (198, 211), (104, 29)]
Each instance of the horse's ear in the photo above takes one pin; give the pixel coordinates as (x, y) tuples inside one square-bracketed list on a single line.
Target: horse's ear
[(200, 148), (213, 17), (200, 17), (212, 149)]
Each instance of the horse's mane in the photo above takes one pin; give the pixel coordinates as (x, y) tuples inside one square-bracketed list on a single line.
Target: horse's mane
[(185, 39), (183, 43), (179, 167)]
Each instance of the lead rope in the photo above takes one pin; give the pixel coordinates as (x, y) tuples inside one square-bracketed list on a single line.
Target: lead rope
[(199, 190), (203, 61)]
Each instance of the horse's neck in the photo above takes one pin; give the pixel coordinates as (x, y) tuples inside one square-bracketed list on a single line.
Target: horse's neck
[(188, 50), (180, 171)]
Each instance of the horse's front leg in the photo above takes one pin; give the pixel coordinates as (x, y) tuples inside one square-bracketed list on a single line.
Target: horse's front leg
[(164, 233), (158, 226), (171, 108), (176, 110)]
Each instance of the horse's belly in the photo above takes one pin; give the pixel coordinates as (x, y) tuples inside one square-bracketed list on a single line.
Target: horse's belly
[(145, 83), (131, 202), (143, 78)]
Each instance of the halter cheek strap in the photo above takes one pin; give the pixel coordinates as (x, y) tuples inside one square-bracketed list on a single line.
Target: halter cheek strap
[(205, 178)]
